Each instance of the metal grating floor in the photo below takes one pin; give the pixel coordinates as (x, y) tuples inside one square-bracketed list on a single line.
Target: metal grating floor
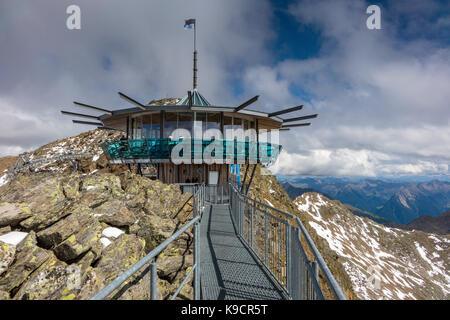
[(228, 270)]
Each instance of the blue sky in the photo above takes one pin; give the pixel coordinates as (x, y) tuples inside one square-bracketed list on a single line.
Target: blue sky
[(382, 95)]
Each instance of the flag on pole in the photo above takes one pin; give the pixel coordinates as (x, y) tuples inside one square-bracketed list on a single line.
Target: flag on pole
[(189, 23)]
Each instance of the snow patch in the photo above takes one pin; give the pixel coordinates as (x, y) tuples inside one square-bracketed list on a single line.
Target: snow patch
[(112, 232), (3, 179), (13, 238), (105, 242)]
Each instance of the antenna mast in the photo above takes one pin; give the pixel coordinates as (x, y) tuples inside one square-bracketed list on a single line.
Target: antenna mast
[(195, 56)]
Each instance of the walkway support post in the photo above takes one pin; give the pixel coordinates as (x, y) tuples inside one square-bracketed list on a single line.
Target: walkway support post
[(197, 254), (154, 281), (252, 211), (315, 267), (289, 260), (266, 234)]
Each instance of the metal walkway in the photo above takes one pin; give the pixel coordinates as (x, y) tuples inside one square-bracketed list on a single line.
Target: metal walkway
[(229, 270), (243, 249)]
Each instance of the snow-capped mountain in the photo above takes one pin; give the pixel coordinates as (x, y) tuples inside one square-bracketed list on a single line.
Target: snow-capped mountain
[(382, 262)]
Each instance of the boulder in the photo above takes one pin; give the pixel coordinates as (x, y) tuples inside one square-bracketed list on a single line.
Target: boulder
[(115, 213), (47, 215), (4, 295), (7, 252), (56, 280), (64, 228), (164, 200), (103, 182), (11, 214), (4, 230), (154, 230), (170, 266), (94, 199), (71, 186), (28, 258), (84, 240), (118, 257)]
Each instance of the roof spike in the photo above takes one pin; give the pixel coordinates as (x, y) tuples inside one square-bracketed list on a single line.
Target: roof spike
[(136, 103), (312, 116), (92, 107), (246, 103), (68, 113), (88, 122), (277, 113), (295, 125)]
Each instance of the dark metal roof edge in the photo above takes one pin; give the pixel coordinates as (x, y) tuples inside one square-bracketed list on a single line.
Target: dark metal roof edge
[(186, 108)]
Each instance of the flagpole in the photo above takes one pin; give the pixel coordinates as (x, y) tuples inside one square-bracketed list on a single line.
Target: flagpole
[(195, 56)]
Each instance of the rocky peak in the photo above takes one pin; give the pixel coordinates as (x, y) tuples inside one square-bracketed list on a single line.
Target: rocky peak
[(66, 234)]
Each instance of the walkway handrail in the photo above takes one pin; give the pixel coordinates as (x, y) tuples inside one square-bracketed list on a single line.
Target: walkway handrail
[(116, 283), (318, 262), (337, 291)]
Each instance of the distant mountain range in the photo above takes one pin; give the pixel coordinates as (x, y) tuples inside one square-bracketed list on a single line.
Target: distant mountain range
[(438, 225), (397, 201)]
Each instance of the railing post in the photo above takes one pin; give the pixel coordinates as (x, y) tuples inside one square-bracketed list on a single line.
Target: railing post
[(252, 211), (315, 267), (154, 281), (266, 234), (289, 259), (196, 262)]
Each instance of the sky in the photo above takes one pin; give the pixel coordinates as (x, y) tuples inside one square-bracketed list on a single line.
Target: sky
[(382, 96)]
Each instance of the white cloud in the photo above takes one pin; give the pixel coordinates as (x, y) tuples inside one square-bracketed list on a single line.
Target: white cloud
[(382, 100), (348, 162), (138, 47)]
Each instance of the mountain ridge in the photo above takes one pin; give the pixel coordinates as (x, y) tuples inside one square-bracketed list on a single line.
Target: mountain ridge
[(399, 202)]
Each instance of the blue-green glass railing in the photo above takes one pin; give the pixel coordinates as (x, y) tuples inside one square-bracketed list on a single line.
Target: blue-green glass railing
[(238, 151)]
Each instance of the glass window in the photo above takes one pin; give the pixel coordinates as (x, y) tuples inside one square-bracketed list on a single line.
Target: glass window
[(185, 120), (151, 126), (146, 126), (200, 124), (137, 128), (237, 123), (155, 132), (213, 121), (246, 124), (227, 125), (170, 123)]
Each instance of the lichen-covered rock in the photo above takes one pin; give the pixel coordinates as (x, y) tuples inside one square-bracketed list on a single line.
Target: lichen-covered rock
[(170, 266), (27, 259), (4, 295), (11, 213), (118, 257), (80, 242), (71, 186), (115, 213), (4, 230), (47, 215), (103, 182), (7, 252), (154, 230), (64, 228), (164, 200), (57, 280), (66, 213)]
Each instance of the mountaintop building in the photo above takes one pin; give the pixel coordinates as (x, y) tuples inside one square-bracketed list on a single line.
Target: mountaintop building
[(190, 140)]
